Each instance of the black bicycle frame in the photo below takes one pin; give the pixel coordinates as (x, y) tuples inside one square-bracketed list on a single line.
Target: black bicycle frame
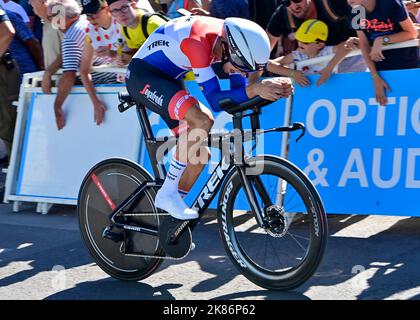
[(233, 150)]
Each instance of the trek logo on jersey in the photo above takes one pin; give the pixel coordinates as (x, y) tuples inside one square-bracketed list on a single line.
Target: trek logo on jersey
[(158, 43), (152, 96)]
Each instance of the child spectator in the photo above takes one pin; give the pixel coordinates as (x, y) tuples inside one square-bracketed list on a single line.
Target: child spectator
[(385, 22), (311, 37), (103, 35)]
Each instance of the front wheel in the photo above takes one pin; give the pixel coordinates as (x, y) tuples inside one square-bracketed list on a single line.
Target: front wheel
[(288, 249)]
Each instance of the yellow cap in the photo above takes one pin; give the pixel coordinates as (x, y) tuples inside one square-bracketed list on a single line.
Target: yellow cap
[(311, 31)]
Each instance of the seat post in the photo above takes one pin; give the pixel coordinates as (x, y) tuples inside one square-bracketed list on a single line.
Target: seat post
[(151, 144), (144, 122)]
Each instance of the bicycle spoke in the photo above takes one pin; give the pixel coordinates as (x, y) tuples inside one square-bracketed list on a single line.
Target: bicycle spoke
[(291, 209), (274, 249), (299, 236), (299, 244)]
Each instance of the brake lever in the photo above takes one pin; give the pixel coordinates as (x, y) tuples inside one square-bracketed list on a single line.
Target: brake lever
[(299, 126)]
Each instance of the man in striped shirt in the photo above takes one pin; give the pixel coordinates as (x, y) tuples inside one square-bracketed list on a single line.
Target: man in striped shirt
[(66, 14)]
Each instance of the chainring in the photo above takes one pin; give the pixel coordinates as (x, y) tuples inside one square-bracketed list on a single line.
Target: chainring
[(182, 246)]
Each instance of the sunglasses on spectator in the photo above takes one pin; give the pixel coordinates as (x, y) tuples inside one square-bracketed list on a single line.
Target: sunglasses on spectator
[(122, 9), (289, 2)]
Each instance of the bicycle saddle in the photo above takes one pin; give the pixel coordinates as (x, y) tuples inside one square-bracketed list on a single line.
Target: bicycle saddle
[(228, 105), (125, 97)]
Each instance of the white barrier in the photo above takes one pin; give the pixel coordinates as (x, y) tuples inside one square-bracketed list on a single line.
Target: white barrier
[(47, 165)]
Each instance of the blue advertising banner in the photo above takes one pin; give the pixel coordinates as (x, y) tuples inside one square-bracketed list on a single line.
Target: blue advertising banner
[(362, 157)]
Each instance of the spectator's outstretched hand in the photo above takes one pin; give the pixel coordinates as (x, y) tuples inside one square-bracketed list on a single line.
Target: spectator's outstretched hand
[(300, 78), (119, 62), (103, 51), (59, 118), (380, 87), (417, 26), (275, 88), (352, 43), (325, 75), (99, 112)]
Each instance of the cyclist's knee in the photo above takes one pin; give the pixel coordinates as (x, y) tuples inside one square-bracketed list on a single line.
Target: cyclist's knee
[(207, 123), (200, 120)]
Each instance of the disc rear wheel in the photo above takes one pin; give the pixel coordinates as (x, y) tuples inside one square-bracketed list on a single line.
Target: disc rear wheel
[(104, 188)]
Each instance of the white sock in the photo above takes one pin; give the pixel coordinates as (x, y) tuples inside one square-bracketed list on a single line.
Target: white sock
[(176, 169), (168, 197)]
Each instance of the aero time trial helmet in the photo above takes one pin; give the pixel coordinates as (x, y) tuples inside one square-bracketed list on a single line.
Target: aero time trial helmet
[(248, 44)]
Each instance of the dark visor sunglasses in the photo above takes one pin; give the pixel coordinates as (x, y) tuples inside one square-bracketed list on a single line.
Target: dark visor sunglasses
[(289, 2), (235, 59)]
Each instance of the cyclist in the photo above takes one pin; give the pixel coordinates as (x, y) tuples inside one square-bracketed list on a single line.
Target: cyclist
[(154, 79)]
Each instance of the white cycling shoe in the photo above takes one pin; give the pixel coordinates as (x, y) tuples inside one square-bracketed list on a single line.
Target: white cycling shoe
[(175, 206)]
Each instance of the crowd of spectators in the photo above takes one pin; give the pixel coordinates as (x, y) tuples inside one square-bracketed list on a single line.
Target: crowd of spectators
[(74, 35)]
